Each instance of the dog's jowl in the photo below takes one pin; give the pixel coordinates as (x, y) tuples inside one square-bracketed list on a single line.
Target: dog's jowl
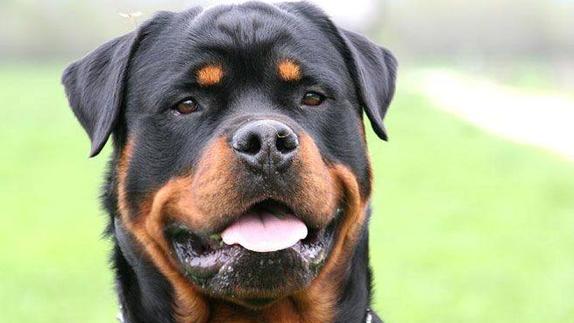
[(239, 184)]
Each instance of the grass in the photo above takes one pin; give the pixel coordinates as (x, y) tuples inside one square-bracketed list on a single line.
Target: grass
[(468, 227), (53, 266)]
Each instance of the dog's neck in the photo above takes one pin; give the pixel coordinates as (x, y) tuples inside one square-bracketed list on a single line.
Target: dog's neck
[(146, 296)]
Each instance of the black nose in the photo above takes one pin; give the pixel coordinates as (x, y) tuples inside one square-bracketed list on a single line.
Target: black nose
[(266, 145)]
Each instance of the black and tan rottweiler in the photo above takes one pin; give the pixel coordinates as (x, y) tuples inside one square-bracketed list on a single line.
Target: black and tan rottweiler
[(238, 189)]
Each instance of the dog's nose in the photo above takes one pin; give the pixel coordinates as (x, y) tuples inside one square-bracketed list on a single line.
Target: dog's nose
[(266, 145)]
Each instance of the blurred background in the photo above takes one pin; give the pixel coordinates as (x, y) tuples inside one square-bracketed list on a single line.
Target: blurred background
[(474, 196)]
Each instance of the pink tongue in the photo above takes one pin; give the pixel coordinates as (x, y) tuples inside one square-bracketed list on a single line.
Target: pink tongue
[(265, 232)]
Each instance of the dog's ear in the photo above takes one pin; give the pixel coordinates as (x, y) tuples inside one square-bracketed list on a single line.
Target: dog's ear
[(374, 71), (373, 68), (95, 84)]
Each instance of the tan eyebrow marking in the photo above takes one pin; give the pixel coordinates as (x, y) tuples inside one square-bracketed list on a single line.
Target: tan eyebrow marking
[(289, 70), (210, 74)]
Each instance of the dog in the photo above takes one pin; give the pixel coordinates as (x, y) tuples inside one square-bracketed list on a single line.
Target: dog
[(239, 183)]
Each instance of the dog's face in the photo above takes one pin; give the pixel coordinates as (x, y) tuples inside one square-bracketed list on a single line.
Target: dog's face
[(241, 169)]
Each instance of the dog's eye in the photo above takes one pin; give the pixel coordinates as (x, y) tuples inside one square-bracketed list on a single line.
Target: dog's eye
[(187, 106), (312, 99)]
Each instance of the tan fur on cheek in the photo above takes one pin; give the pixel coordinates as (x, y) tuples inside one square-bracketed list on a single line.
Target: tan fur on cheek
[(189, 306), (318, 302), (319, 194), (213, 190)]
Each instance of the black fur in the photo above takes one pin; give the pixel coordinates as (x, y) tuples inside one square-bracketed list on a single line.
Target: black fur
[(129, 85)]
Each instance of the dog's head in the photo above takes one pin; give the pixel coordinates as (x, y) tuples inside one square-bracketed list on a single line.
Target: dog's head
[(240, 169)]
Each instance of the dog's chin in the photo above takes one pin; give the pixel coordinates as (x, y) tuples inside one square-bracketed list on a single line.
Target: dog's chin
[(249, 278)]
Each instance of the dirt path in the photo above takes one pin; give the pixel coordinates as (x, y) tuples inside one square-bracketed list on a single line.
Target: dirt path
[(543, 120)]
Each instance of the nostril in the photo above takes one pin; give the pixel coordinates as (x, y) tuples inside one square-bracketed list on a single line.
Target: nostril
[(248, 143), (286, 141), (252, 145)]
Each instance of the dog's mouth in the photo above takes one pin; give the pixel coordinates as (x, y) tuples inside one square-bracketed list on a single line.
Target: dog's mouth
[(260, 255)]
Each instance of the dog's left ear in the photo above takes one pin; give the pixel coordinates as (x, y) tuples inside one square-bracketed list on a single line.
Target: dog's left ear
[(374, 71)]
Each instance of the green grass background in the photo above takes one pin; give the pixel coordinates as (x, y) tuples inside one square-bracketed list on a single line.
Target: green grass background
[(467, 227)]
